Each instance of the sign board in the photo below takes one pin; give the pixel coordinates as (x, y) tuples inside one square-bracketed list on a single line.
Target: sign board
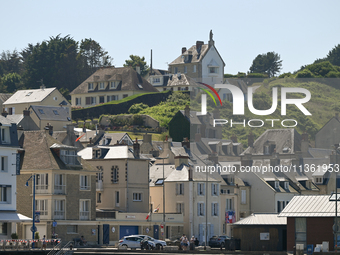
[(37, 217), (113, 229), (54, 224), (264, 236), (130, 216), (17, 163)]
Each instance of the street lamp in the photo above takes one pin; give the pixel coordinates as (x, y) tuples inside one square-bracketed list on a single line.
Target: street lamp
[(163, 195), (33, 228)]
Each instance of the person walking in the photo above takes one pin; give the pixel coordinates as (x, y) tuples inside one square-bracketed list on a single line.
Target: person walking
[(192, 243), (44, 243)]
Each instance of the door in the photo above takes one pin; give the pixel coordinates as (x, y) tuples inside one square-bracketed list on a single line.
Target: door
[(106, 234), (156, 231), (127, 231)]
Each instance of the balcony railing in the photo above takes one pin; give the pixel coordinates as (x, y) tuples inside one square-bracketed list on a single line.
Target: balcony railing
[(84, 215), (59, 189), (41, 189), (59, 215), (99, 186)]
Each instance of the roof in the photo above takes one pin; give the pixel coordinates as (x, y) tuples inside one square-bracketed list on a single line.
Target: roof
[(309, 206), (6, 121), (15, 118), (262, 219), (282, 138), (29, 96), (196, 55), (181, 80), (109, 152), (8, 216), (4, 96), (55, 113), (128, 79)]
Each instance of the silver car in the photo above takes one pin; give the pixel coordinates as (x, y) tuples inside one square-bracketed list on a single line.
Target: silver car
[(132, 242), (159, 243)]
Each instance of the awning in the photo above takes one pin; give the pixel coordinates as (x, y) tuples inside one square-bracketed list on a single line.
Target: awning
[(13, 217)]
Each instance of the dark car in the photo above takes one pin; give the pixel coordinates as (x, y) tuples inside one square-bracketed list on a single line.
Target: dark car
[(218, 241)]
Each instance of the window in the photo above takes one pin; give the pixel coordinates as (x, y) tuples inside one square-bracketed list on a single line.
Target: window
[(125, 95), (5, 135), (277, 185), (72, 229), (112, 98), (194, 69), (229, 204), (117, 198), (243, 197), (185, 69), (85, 182), (3, 228), (214, 209), (41, 183), (90, 86), (101, 85), (59, 209), (281, 205), (41, 111), (59, 184), (4, 164), (101, 99), (3, 194), (180, 208), (318, 180), (99, 197), (156, 80), (78, 100), (69, 157), (114, 84), (11, 110), (266, 150), (213, 69), (300, 231), (99, 177), (214, 189), (41, 205), (179, 188), (200, 209), (137, 196), (84, 213), (286, 185), (114, 174), (201, 189), (90, 100), (55, 112), (29, 93)]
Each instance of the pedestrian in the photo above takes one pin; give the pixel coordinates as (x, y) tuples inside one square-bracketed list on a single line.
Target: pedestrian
[(196, 242), (184, 242), (192, 243), (44, 243)]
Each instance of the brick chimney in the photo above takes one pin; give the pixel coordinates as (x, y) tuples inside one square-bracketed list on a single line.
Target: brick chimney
[(4, 113), (136, 149), (184, 49), (49, 128), (26, 113), (186, 143), (199, 45)]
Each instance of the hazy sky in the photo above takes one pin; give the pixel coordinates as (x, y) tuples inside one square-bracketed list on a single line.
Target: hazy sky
[(300, 31)]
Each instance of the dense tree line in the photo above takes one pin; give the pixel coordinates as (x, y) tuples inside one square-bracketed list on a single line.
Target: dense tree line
[(59, 62)]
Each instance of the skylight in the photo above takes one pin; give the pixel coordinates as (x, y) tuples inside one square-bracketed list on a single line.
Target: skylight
[(29, 93), (159, 182), (41, 111), (55, 112)]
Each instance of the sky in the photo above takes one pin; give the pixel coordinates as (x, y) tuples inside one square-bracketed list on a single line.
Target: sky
[(300, 31)]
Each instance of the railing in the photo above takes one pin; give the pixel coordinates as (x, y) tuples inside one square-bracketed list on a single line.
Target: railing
[(59, 215), (66, 249), (84, 215), (41, 189), (56, 248), (26, 244), (99, 186), (59, 189)]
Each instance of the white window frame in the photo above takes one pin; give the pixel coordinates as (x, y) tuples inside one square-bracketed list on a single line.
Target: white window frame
[(69, 157), (4, 164), (214, 189), (91, 86), (85, 182), (179, 188), (214, 209), (286, 185), (59, 184), (156, 80), (84, 209), (229, 204), (5, 135), (213, 69), (277, 184), (41, 205), (59, 209), (41, 181), (78, 100), (4, 193), (243, 197), (137, 197), (113, 84), (101, 85)]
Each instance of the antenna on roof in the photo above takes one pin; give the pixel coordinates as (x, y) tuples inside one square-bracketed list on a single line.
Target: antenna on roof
[(42, 87)]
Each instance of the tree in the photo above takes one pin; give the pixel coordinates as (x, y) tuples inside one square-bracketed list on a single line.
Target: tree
[(11, 82), (10, 62), (268, 63), (334, 55), (136, 60), (93, 56)]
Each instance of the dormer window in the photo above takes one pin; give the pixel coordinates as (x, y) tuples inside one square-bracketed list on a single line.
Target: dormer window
[(156, 80), (69, 157), (286, 185), (277, 184), (91, 86), (5, 135), (113, 84), (213, 69), (318, 180), (101, 85), (266, 149)]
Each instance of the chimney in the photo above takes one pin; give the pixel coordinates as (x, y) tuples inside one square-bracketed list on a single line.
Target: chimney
[(233, 138), (184, 49), (136, 149), (138, 69), (250, 139), (26, 113), (70, 129), (199, 45), (187, 111), (190, 173), (4, 113), (186, 143), (213, 157), (84, 128), (49, 128)]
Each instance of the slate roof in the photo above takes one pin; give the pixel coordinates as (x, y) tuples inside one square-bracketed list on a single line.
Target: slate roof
[(262, 219), (51, 113), (29, 96), (6, 121), (283, 138), (112, 138), (181, 80), (38, 154), (309, 206), (128, 77), (4, 96), (197, 56)]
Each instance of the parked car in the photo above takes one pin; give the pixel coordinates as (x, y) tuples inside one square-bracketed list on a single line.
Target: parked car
[(159, 243), (218, 241), (133, 242)]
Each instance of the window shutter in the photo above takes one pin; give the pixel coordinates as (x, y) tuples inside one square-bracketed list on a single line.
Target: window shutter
[(212, 209), (204, 212), (176, 188), (218, 209), (203, 189), (211, 230), (198, 188), (198, 209), (212, 189), (217, 189)]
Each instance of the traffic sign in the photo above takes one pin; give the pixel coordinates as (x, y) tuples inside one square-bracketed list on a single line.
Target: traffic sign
[(34, 229)]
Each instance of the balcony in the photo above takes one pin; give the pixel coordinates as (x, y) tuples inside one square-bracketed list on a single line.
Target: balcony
[(41, 189), (59, 215), (84, 215), (60, 189), (99, 186)]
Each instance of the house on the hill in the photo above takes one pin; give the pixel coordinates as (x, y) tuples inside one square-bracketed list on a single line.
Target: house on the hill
[(108, 84), (202, 62)]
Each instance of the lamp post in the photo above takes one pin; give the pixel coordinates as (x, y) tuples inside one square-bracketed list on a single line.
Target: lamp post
[(33, 228), (163, 195)]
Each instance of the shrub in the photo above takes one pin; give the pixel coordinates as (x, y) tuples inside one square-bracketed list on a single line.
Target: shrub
[(136, 108)]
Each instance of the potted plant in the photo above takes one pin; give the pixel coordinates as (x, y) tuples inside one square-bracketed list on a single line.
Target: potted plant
[(37, 238)]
